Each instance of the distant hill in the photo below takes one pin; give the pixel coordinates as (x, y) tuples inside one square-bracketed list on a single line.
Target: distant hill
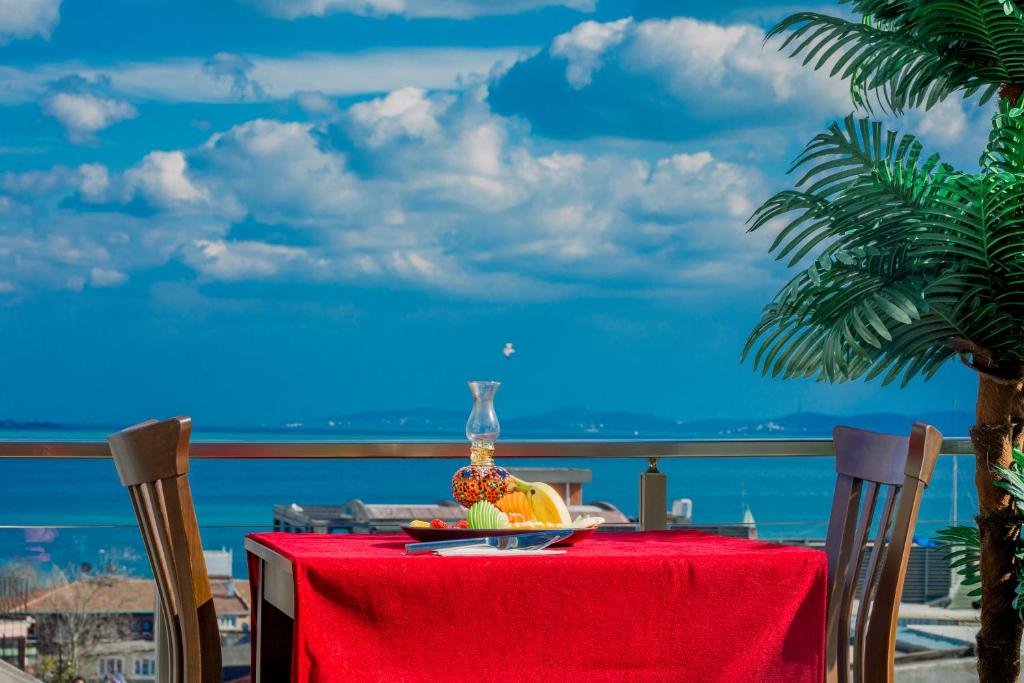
[(566, 423), (583, 423), (33, 425)]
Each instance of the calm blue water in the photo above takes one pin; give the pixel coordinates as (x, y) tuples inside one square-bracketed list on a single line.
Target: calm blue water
[(789, 497)]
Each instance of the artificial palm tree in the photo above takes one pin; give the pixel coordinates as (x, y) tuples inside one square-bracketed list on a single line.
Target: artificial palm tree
[(905, 263)]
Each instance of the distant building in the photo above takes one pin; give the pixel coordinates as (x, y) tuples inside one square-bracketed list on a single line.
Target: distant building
[(104, 625), (357, 517), (231, 597), (134, 660), (92, 608), (14, 643)]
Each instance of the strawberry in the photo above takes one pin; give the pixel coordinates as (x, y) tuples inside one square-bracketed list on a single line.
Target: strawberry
[(438, 524), (462, 524)]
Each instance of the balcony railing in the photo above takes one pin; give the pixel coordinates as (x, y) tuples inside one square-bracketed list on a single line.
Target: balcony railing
[(653, 483), (553, 448)]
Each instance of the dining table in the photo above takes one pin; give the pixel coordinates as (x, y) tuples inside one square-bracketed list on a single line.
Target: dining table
[(677, 605)]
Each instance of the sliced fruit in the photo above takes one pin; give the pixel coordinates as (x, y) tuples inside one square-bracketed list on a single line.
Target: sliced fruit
[(419, 523), (484, 515), (545, 502), (587, 522), (532, 524), (516, 503)]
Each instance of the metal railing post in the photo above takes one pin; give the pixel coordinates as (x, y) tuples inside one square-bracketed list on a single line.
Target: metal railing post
[(653, 498)]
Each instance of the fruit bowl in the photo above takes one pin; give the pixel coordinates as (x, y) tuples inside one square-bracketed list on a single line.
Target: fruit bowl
[(427, 533)]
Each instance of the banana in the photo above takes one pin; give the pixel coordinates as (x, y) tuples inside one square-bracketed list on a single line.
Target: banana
[(548, 506)]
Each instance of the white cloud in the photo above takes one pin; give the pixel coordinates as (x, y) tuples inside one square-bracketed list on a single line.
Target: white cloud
[(278, 172), (239, 260), (316, 103), (28, 18), (453, 9), (955, 127), (424, 190), (698, 184), (94, 181), (585, 45), (85, 107), (105, 277), (160, 177), (331, 74), (946, 122), (709, 66), (404, 112), (84, 115)]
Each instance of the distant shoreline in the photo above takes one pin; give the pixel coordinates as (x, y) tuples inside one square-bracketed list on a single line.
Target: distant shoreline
[(567, 423)]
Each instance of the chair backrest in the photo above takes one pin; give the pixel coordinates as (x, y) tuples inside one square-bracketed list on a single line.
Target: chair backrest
[(872, 467), (152, 461)]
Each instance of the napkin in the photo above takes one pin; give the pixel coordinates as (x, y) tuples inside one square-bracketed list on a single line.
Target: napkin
[(489, 550)]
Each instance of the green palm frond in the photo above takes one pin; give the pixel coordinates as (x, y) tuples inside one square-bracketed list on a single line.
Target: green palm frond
[(963, 550), (1011, 479), (963, 543), (910, 54), (898, 254), (1003, 153)]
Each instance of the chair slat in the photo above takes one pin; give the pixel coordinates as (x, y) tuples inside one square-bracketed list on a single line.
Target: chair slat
[(870, 581)]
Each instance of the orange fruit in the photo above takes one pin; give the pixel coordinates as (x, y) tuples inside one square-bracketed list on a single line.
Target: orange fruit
[(516, 503)]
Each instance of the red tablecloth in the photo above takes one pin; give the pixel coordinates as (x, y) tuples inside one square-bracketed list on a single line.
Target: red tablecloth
[(655, 606)]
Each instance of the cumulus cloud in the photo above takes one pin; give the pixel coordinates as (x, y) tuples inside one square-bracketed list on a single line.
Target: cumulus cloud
[(28, 18), (585, 45), (279, 173), (452, 9), (93, 181), (404, 112), (678, 76), (416, 189), (85, 107), (161, 178)]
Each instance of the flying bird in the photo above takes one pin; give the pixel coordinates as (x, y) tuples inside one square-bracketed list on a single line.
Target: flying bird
[(508, 350)]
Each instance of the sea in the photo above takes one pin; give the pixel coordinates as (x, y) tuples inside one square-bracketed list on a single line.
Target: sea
[(66, 515)]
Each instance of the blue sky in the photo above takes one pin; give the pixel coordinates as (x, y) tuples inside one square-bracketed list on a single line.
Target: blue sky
[(254, 211)]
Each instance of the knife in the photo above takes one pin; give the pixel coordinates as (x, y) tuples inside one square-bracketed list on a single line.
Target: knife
[(535, 540)]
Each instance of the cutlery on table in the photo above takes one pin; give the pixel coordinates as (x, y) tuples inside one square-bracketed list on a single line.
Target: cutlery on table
[(536, 540)]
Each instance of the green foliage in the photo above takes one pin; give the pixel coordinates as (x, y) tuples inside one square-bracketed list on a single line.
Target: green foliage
[(903, 261), (963, 550), (963, 544), (910, 53)]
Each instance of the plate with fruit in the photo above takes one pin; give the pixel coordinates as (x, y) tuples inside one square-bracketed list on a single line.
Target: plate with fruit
[(529, 506)]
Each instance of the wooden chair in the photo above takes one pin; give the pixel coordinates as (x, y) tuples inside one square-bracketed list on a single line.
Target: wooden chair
[(152, 461), (870, 464)]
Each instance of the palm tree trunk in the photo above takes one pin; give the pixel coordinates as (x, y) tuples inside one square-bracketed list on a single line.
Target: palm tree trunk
[(997, 430)]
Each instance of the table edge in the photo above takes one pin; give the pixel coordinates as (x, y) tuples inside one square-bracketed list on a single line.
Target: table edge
[(269, 555)]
